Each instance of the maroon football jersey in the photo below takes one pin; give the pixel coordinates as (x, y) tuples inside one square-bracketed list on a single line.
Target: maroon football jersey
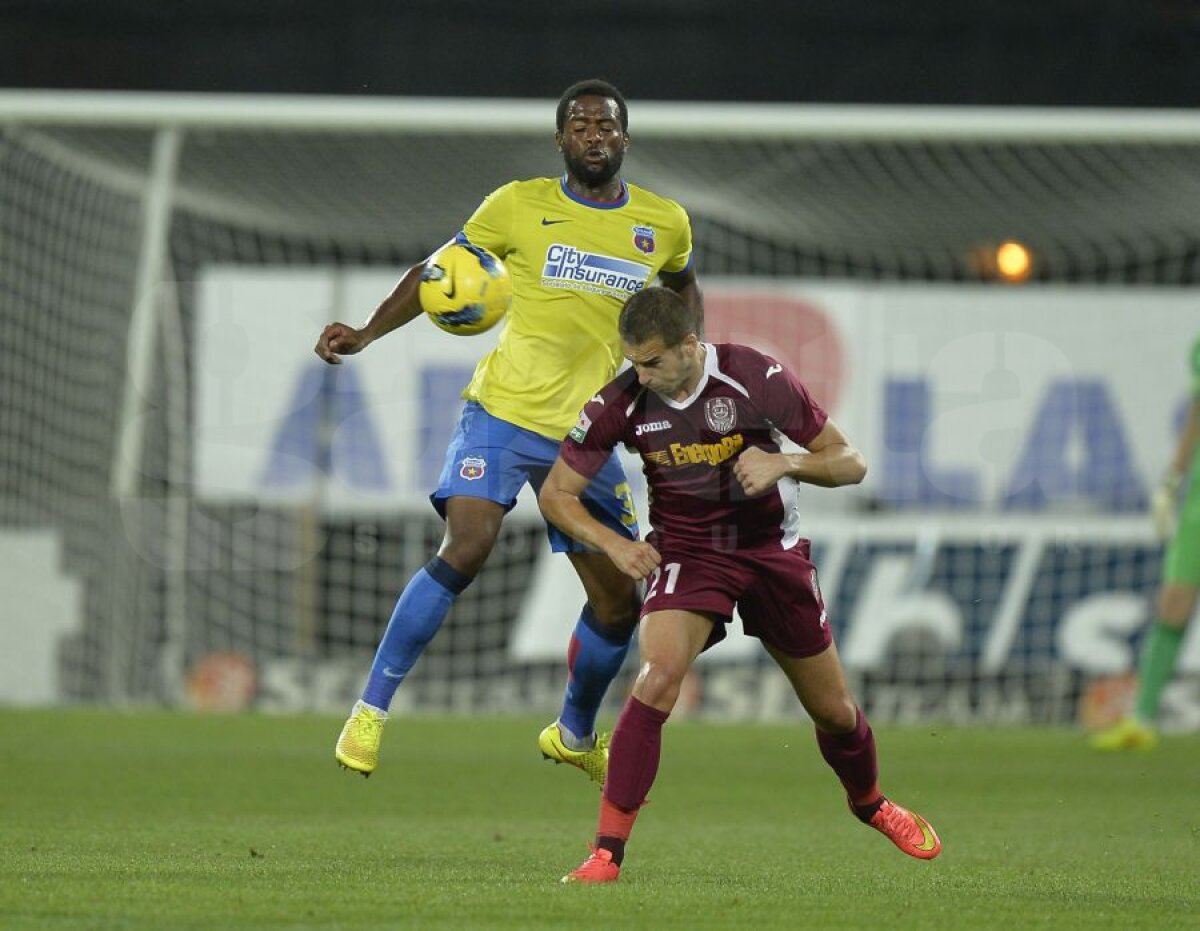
[(688, 448)]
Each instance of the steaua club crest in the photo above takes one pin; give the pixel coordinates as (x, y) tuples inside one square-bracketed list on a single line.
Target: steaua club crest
[(472, 468), (721, 414), (643, 239)]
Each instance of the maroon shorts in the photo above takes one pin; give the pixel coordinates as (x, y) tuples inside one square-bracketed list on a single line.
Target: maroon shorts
[(775, 592)]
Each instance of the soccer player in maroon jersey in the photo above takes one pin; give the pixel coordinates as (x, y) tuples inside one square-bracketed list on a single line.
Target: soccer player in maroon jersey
[(707, 421)]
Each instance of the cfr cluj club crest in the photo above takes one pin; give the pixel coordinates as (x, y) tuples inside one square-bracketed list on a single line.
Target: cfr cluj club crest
[(721, 414), (643, 238)]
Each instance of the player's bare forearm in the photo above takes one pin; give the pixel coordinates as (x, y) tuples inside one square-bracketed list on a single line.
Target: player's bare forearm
[(566, 512), (560, 503), (831, 460), (836, 465), (398, 308)]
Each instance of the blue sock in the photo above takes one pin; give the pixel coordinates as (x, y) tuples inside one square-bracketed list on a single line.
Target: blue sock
[(593, 660), (416, 618)]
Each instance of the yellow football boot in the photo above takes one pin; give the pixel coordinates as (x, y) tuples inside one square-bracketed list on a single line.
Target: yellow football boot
[(594, 762), (358, 745), (1129, 734)]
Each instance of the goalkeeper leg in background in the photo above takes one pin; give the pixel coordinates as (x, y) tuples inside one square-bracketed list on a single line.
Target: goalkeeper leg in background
[(1177, 597)]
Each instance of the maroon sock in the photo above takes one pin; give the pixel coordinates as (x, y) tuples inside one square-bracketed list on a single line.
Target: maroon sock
[(633, 754), (852, 757)]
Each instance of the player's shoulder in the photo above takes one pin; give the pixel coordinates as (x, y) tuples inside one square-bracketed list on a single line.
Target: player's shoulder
[(525, 189), (533, 187), (740, 360), (606, 414), (741, 352), (616, 396), (647, 198), (751, 372)]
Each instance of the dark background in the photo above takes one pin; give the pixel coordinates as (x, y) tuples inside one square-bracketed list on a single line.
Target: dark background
[(1014, 52)]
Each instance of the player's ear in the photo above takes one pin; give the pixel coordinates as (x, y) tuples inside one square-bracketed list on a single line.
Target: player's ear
[(558, 140)]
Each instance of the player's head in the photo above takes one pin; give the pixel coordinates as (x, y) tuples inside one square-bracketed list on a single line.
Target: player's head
[(593, 87), (660, 333), (592, 123)]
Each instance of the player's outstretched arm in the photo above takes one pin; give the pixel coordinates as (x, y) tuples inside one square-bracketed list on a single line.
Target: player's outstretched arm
[(397, 309), (559, 501)]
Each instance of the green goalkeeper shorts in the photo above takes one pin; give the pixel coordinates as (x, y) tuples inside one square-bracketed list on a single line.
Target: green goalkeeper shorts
[(1182, 562)]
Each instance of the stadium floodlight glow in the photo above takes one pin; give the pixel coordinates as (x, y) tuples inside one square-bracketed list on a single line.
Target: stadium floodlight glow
[(1013, 261), (1008, 261)]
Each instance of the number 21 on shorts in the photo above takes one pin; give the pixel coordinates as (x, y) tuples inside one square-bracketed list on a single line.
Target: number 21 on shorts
[(671, 571)]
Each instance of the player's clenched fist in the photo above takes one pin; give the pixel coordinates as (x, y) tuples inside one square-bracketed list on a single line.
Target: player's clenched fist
[(759, 470), (339, 338), (634, 557)]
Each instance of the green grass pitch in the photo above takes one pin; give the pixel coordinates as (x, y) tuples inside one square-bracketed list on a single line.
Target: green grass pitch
[(158, 820)]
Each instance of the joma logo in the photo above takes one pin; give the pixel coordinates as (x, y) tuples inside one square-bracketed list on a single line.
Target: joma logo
[(652, 426)]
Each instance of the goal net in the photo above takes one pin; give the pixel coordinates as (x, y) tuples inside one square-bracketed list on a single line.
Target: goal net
[(194, 509)]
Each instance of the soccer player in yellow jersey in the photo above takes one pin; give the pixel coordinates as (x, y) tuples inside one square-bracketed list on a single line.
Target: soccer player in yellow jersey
[(575, 247)]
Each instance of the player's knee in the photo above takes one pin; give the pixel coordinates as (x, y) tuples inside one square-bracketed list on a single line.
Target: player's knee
[(658, 683), (835, 715), (467, 552), (616, 612)]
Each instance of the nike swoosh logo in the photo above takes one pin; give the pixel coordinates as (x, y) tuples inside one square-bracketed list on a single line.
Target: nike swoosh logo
[(546, 222), (390, 673), (773, 369), (928, 840)]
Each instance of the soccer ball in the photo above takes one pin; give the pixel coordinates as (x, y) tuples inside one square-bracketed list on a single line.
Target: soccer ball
[(465, 289)]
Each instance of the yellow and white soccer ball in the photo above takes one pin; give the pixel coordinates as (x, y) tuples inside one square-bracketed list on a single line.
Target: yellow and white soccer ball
[(465, 289)]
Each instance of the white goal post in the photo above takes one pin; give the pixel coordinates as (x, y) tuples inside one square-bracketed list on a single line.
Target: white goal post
[(224, 537)]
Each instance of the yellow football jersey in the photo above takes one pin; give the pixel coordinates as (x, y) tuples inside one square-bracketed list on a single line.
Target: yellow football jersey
[(573, 263)]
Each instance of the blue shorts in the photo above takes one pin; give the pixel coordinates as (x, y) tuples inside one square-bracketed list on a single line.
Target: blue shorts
[(493, 459)]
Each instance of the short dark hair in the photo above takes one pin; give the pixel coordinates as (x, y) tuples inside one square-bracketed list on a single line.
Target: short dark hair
[(657, 312), (591, 87)]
